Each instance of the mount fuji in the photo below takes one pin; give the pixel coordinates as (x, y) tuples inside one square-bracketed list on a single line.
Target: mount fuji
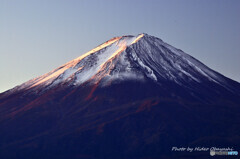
[(131, 97)]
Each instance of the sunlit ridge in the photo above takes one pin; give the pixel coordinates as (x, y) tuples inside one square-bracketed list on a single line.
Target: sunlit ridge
[(99, 48), (138, 38), (121, 43)]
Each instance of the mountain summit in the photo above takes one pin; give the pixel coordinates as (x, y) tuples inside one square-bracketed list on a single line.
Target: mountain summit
[(138, 57), (130, 97)]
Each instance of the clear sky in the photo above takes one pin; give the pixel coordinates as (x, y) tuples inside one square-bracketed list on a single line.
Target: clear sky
[(37, 36)]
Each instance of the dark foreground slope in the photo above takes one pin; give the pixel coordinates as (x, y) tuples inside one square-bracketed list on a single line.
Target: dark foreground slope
[(130, 119)]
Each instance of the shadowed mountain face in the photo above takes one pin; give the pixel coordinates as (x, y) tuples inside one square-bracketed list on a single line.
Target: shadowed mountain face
[(132, 97)]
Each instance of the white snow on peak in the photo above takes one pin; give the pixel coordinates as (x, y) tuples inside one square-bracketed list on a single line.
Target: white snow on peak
[(84, 67), (149, 71), (112, 61), (106, 55), (169, 63)]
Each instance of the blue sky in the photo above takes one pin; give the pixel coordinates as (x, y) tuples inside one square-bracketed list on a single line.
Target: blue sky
[(37, 36)]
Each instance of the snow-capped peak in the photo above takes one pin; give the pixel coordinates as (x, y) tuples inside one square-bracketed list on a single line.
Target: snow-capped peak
[(84, 67), (138, 57)]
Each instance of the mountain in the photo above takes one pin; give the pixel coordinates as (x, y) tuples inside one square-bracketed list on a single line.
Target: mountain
[(132, 97)]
